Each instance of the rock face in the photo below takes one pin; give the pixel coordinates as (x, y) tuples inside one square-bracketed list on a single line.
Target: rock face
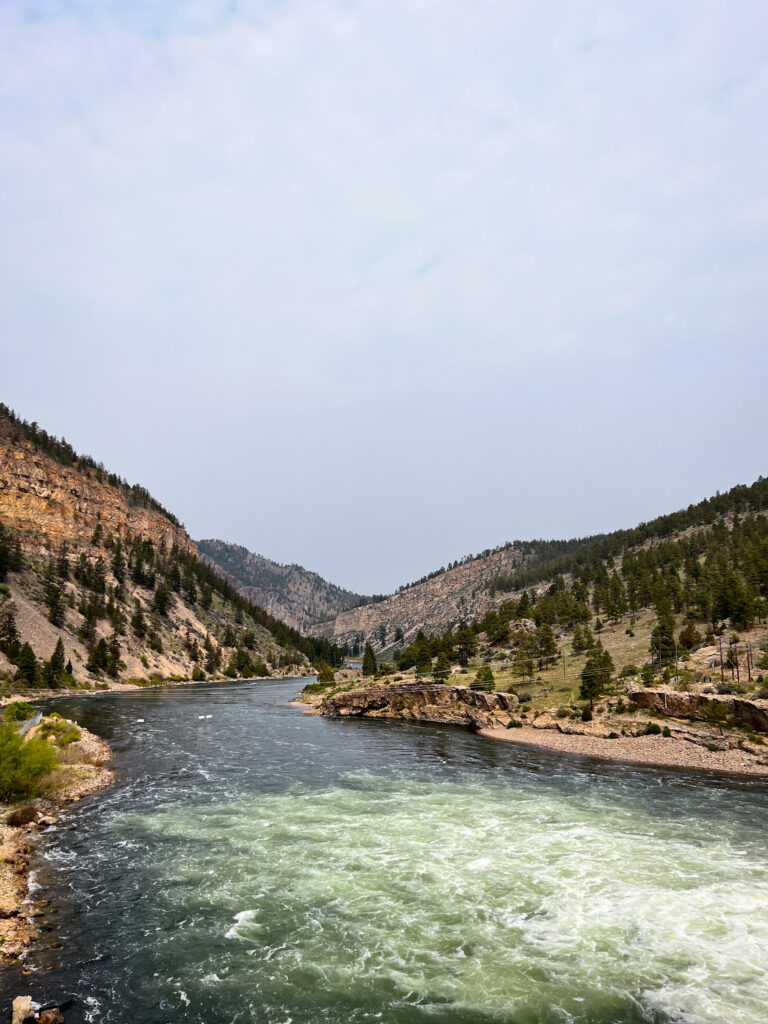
[(452, 705), (42, 498), (459, 594), (291, 593), (751, 713)]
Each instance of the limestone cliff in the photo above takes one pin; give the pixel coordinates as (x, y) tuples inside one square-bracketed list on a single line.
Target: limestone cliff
[(43, 499), (451, 705)]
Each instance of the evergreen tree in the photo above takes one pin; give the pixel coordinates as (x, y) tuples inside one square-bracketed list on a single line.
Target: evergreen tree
[(9, 634), (596, 674), (54, 598), (547, 645), (484, 679), (118, 563), (162, 599), (26, 666), (369, 661), (138, 623), (442, 668)]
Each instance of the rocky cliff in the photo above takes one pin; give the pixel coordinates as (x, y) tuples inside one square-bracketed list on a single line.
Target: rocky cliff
[(451, 705), (291, 593), (753, 714), (41, 498), (437, 604)]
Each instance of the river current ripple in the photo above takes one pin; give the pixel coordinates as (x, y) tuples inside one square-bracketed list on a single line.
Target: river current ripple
[(256, 864)]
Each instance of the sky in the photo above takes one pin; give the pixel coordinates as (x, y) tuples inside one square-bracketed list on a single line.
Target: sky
[(369, 286)]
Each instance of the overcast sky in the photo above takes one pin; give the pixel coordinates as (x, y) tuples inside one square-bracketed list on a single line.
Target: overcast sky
[(370, 285)]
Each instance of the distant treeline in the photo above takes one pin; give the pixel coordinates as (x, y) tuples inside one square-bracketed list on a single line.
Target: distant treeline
[(63, 453)]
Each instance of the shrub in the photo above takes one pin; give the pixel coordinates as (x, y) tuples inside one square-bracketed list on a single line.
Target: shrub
[(524, 698), (22, 763), (563, 713), (651, 729), (629, 670), (586, 714), (19, 711), (22, 816), (514, 724), (666, 731)]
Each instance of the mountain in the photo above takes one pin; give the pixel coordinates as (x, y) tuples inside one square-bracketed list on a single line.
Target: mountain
[(725, 526), (99, 582), (291, 593)]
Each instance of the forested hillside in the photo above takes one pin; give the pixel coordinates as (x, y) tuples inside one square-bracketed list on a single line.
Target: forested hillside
[(293, 594), (707, 563), (99, 583)]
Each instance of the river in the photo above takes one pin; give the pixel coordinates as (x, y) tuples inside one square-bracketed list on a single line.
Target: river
[(257, 864)]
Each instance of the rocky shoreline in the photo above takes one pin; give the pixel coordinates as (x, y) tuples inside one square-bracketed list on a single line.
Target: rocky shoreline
[(686, 742), (23, 822)]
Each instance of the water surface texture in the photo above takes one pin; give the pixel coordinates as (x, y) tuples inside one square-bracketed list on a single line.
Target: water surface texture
[(262, 865)]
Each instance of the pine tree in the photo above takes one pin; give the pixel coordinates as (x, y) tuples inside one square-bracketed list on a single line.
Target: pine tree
[(484, 679), (54, 598), (369, 661), (596, 674), (442, 668), (9, 634), (26, 665)]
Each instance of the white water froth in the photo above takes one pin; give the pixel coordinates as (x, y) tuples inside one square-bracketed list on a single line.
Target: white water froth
[(483, 896)]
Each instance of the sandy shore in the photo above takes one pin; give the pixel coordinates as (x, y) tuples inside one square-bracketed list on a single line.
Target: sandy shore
[(69, 784), (659, 751)]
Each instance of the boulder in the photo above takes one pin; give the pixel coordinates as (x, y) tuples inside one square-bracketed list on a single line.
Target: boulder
[(22, 1012)]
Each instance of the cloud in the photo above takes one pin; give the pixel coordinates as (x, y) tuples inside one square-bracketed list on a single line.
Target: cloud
[(409, 207)]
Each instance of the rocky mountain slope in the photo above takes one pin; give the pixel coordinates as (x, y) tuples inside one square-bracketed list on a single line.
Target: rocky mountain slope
[(291, 593), (99, 583), (468, 591), (462, 593)]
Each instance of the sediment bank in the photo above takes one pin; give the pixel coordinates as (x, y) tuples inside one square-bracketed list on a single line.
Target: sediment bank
[(23, 822)]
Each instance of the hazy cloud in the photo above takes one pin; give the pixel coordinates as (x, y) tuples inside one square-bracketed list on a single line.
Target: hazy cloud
[(370, 285)]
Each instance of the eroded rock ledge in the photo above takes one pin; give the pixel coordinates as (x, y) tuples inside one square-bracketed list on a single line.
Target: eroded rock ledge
[(751, 713), (452, 705)]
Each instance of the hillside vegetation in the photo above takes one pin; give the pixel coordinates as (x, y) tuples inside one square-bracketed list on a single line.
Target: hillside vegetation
[(98, 583)]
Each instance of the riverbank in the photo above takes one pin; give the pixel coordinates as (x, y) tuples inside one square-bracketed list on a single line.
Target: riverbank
[(83, 773), (655, 751), (635, 737)]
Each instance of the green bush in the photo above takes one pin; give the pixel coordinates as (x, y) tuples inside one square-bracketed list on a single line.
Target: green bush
[(62, 731), (586, 714), (514, 724), (666, 731), (22, 764), (651, 729), (563, 713), (19, 711)]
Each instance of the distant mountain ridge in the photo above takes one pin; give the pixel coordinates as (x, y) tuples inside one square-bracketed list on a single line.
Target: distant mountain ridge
[(467, 591), (293, 594)]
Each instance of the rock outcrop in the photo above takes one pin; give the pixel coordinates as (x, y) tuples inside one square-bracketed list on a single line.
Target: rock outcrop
[(676, 704), (42, 498), (450, 705)]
